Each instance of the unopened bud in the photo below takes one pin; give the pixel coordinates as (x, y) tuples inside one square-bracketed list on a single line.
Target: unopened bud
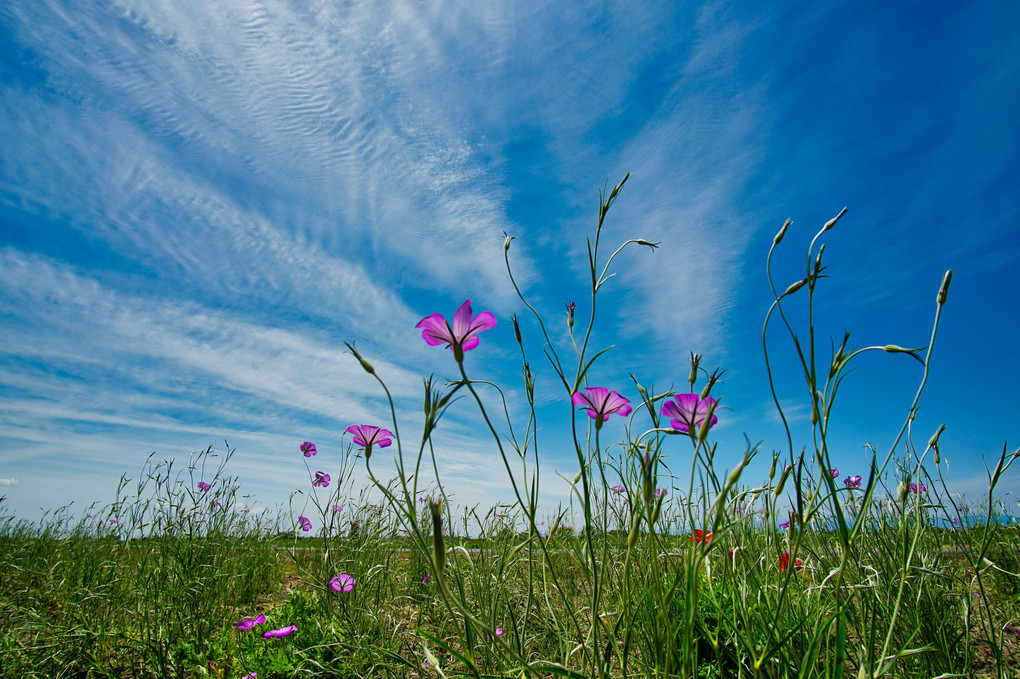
[(570, 314), (794, 287), (438, 544), (364, 364), (832, 222), (944, 288), (517, 329), (782, 232), (695, 362), (506, 241), (658, 507), (634, 527)]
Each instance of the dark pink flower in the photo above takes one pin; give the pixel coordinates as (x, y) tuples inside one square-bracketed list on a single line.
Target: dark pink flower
[(852, 482), (203, 486), (618, 489), (282, 632), (343, 583), (463, 336), (601, 403), (425, 580), (917, 488), (308, 448), (250, 622), (321, 480), (337, 508), (367, 435), (688, 412), (304, 523), (834, 472)]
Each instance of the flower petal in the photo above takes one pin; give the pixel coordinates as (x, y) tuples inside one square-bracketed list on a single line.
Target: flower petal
[(435, 330)]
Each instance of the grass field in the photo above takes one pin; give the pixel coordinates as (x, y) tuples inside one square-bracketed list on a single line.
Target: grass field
[(647, 573)]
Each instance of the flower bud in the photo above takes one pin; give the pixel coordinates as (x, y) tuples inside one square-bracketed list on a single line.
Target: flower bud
[(438, 544), (570, 314), (794, 287), (695, 362), (366, 366), (944, 288), (782, 232), (517, 329), (635, 525), (832, 222), (658, 508)]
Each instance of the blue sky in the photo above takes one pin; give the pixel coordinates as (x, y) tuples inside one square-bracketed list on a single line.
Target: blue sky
[(199, 202)]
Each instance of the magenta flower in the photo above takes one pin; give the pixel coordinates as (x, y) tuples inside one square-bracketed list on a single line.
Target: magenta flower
[(321, 479), (852, 482), (203, 486), (308, 448), (463, 336), (250, 676), (305, 524), (250, 622), (367, 435), (834, 472), (282, 632), (425, 580), (499, 633), (601, 403), (342, 583), (337, 508), (660, 491), (618, 489), (689, 412), (917, 488)]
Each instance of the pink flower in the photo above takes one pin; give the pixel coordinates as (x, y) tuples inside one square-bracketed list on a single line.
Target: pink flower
[(367, 435), (499, 633), (425, 580), (250, 622), (321, 479), (203, 486), (618, 489), (250, 676), (834, 472), (337, 508), (852, 482), (308, 448), (917, 488), (463, 336), (304, 523), (660, 491), (689, 412), (601, 403), (282, 632), (342, 583)]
